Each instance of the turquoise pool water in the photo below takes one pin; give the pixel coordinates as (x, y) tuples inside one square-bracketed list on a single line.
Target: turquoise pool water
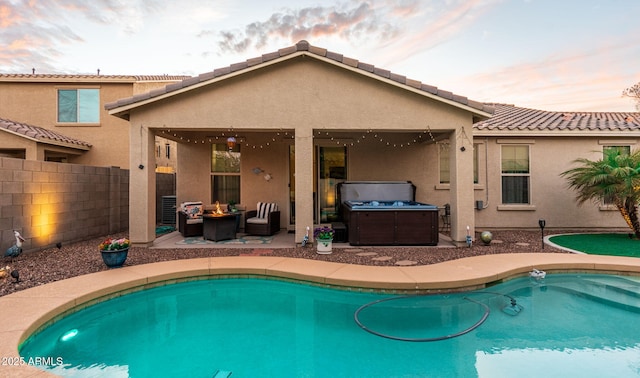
[(569, 325)]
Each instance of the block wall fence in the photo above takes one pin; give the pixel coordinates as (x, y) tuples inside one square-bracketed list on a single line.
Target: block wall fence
[(56, 202)]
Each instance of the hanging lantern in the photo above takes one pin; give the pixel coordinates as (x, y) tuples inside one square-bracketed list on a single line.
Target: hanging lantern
[(231, 142)]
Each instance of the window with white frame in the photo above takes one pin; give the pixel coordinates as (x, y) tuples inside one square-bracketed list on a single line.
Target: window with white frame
[(79, 105), (444, 163), (515, 169), (225, 173)]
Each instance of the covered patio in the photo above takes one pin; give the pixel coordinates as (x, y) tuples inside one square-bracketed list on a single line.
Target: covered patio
[(303, 119)]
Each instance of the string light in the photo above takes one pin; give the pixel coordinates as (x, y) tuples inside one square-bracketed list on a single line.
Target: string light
[(338, 137)]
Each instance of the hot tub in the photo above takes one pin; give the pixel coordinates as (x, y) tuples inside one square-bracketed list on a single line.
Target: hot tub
[(386, 205), (387, 220)]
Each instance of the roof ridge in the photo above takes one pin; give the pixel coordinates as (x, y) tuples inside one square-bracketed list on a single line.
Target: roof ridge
[(94, 76)]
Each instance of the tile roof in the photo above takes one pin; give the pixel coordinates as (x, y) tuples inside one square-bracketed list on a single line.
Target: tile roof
[(89, 78), (310, 50), (41, 135), (521, 120)]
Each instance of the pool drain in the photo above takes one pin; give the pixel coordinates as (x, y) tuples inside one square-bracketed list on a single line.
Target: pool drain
[(419, 339)]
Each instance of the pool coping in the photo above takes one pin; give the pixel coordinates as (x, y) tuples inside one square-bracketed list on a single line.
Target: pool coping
[(26, 311)]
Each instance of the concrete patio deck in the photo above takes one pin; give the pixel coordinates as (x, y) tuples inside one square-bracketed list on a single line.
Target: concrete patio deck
[(26, 311), (282, 239)]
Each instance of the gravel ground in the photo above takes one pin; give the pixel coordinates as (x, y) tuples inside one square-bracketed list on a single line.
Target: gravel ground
[(49, 265)]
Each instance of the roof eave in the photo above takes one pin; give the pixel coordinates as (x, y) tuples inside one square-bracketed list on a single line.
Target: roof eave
[(123, 111), (71, 79), (576, 133), (50, 141)]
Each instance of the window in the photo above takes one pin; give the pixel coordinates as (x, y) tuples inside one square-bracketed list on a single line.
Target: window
[(79, 105), (167, 148), (515, 174), (225, 173), (444, 163), (624, 150)]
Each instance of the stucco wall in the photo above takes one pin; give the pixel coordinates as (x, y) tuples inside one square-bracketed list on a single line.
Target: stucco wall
[(14, 142), (300, 94), (35, 103), (418, 163), (551, 199), (54, 202)]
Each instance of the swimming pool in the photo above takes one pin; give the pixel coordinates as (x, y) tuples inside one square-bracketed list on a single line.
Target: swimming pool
[(571, 325)]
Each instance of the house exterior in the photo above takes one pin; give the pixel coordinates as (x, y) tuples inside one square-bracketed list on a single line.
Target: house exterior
[(289, 126), (521, 154), (61, 118), (304, 119)]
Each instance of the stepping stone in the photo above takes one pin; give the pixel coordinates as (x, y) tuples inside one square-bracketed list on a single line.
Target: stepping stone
[(406, 262), (366, 254), (258, 252), (497, 241), (523, 244), (354, 250), (382, 258)]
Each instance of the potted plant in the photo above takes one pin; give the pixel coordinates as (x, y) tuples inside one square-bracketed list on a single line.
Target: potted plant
[(324, 237), (114, 251)]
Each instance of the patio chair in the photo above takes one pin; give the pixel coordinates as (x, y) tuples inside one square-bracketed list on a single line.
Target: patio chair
[(263, 221), (190, 219), (446, 218)]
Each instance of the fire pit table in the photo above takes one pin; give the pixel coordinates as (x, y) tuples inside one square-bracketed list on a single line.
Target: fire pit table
[(219, 226)]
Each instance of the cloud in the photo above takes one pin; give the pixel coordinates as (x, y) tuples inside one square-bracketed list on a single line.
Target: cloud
[(391, 30), (34, 33), (435, 25), (569, 80), (27, 34), (351, 21)]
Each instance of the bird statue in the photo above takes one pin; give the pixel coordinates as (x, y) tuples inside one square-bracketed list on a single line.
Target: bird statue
[(305, 240), (15, 274), (16, 249)]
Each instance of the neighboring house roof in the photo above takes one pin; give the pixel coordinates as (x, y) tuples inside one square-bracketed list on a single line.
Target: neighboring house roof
[(122, 106), (513, 120), (42, 135), (46, 78)]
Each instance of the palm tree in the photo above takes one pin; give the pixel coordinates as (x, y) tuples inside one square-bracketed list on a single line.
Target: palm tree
[(615, 178)]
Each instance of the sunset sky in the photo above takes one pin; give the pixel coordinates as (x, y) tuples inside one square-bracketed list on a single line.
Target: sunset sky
[(567, 55)]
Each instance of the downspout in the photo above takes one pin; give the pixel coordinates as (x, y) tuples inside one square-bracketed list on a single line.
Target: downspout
[(486, 172)]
